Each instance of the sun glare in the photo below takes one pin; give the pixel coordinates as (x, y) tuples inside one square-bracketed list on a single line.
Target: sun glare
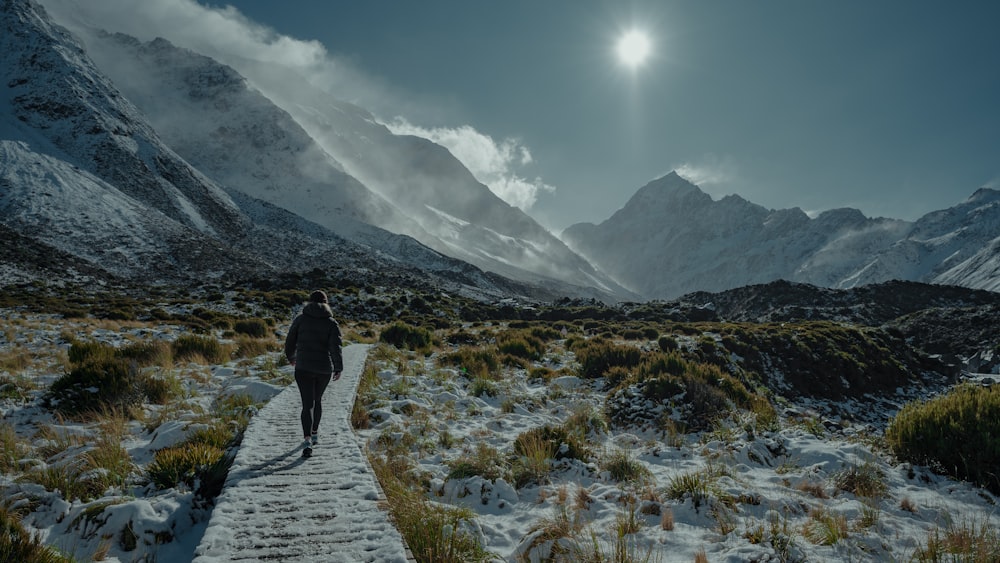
[(633, 48)]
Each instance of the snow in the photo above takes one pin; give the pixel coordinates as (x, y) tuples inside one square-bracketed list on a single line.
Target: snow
[(325, 508), (278, 505)]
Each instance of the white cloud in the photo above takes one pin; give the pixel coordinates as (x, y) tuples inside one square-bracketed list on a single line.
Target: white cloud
[(227, 35), (710, 171), (493, 163)]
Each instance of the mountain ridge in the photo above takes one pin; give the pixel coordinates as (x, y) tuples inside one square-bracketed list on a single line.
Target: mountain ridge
[(685, 241)]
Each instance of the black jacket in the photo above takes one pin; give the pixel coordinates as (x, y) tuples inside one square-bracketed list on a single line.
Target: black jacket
[(313, 341)]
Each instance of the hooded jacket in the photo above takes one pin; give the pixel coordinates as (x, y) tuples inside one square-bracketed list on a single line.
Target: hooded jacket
[(313, 341)]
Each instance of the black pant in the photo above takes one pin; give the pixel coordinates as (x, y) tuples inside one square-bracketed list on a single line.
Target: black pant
[(311, 388)]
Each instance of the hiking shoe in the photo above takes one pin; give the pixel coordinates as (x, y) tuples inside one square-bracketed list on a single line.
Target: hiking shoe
[(308, 452), (314, 439)]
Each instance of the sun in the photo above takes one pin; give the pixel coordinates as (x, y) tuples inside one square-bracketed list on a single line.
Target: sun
[(633, 48)]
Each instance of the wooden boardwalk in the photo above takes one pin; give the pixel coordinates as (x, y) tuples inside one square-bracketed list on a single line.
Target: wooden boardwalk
[(278, 506)]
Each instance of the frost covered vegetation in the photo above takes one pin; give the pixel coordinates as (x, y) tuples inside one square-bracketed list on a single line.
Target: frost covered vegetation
[(563, 432), (654, 443)]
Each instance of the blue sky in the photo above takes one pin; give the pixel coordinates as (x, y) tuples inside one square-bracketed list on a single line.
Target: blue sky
[(889, 107)]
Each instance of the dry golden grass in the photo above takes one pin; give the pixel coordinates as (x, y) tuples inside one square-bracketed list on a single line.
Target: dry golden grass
[(667, 519)]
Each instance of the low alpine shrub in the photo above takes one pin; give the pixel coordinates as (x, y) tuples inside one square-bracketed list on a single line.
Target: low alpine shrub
[(402, 335), (193, 347), (254, 328), (183, 464), (957, 434), (95, 386), (17, 544)]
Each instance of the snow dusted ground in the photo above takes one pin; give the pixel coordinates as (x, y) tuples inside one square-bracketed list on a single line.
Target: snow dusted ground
[(279, 506), (767, 496)]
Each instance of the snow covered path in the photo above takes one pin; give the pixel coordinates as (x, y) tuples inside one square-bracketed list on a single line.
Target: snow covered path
[(278, 506)]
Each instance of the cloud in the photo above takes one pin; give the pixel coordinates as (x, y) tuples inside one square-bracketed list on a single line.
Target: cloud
[(230, 37), (495, 164), (710, 171)]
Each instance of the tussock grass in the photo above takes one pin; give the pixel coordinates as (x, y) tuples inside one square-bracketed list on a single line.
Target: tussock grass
[(434, 533), (700, 485), (11, 448), (184, 464), (866, 480), (957, 433), (253, 328), (251, 347), (968, 541), (200, 349), (534, 462), (521, 344), (623, 467), (825, 527), (483, 460), (17, 544), (409, 337), (473, 362)]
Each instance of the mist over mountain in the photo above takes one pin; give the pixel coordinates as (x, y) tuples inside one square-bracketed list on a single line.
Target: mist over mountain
[(229, 130), (682, 241), (92, 192), (90, 179), (145, 160)]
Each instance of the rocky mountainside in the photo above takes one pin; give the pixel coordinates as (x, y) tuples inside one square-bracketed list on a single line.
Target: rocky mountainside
[(333, 164), (457, 214), (956, 322), (681, 241), (229, 131), (90, 190), (84, 172)]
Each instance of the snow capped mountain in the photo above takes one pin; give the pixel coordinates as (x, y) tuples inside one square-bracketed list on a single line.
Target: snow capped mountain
[(457, 215), (86, 179), (224, 126), (60, 104), (685, 241), (209, 114)]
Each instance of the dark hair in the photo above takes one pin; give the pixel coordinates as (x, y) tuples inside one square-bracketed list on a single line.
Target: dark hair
[(317, 297)]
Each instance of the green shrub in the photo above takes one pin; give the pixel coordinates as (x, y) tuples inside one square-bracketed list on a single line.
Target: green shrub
[(433, 532), (564, 443), (485, 461), (957, 433), (623, 467), (521, 344), (160, 390), (219, 435), (186, 464), (474, 362), (17, 544), (596, 358), (80, 352), (254, 328), (402, 335), (147, 353), (193, 347), (97, 385), (668, 344)]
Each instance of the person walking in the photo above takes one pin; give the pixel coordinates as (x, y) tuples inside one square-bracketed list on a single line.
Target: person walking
[(312, 346)]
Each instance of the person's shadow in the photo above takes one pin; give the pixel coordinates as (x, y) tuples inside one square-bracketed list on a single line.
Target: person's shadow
[(267, 467)]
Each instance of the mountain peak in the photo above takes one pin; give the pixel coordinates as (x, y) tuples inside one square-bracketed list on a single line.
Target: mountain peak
[(984, 195), (673, 182), (668, 189)]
